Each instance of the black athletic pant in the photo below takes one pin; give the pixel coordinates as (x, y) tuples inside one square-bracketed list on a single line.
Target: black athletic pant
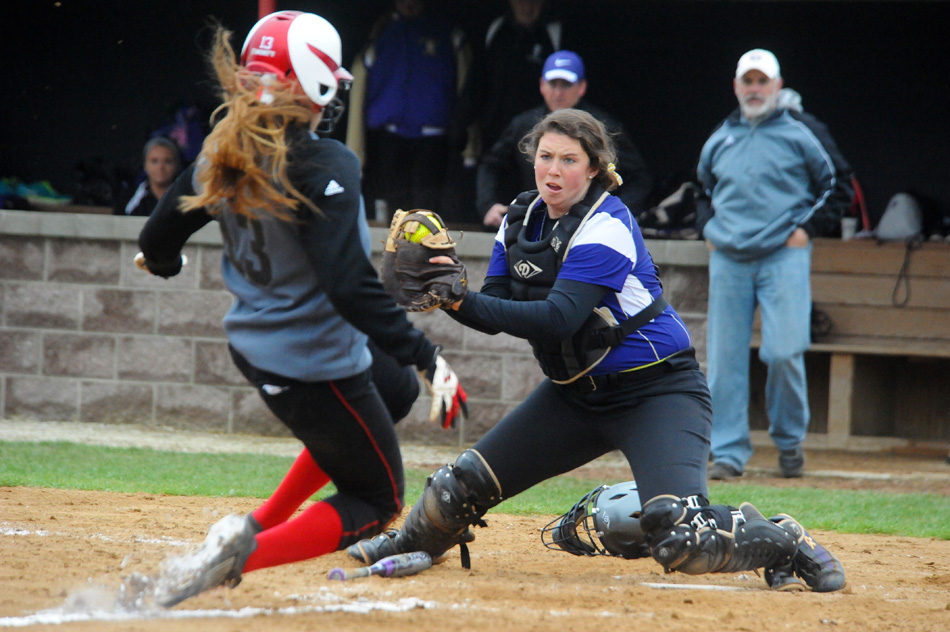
[(661, 424), (397, 384), (348, 430)]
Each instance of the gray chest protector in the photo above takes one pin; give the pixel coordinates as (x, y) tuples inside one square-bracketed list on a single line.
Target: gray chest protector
[(533, 267)]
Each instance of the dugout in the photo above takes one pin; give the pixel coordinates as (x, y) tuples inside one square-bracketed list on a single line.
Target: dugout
[(92, 78)]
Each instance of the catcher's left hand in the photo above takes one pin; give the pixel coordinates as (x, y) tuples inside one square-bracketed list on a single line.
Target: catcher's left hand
[(449, 399), (409, 272)]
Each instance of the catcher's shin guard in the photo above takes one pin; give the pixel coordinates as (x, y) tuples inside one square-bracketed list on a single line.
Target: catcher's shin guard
[(455, 497), (813, 563), (694, 539)]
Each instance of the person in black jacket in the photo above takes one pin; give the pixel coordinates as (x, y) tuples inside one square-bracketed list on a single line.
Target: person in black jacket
[(499, 84), (503, 172)]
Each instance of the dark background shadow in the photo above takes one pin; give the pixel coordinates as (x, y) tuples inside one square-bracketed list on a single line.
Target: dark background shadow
[(90, 79)]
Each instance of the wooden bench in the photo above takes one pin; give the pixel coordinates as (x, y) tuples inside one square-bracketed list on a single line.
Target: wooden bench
[(881, 377)]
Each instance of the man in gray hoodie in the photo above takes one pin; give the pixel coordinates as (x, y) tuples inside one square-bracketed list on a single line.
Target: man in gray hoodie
[(775, 181)]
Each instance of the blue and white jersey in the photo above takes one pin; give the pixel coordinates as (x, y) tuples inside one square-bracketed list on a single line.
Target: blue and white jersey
[(608, 250)]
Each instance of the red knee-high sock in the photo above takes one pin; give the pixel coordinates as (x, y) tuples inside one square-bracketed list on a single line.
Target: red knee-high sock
[(303, 480), (313, 533)]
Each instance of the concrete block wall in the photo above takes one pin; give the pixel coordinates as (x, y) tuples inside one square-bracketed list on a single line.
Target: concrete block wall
[(86, 336)]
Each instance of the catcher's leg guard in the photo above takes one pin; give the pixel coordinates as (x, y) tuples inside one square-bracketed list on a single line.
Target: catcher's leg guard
[(812, 562), (685, 536), (455, 497)]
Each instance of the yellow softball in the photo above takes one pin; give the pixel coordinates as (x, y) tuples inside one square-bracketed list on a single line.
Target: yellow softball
[(417, 231)]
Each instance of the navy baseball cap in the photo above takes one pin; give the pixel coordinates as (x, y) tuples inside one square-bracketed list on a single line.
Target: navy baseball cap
[(563, 64)]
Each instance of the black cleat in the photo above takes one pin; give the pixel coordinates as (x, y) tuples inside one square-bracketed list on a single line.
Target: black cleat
[(371, 550), (813, 563), (722, 472)]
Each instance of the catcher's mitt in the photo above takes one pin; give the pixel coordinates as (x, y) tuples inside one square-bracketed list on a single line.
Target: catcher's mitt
[(418, 285)]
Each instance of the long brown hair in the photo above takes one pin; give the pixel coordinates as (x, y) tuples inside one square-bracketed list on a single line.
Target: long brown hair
[(243, 161)]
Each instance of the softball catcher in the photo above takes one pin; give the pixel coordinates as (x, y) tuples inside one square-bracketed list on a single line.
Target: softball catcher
[(570, 273)]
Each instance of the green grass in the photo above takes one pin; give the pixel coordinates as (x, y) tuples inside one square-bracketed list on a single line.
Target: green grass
[(847, 511), (74, 466)]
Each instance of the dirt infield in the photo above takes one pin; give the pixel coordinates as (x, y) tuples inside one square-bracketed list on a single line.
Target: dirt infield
[(66, 553)]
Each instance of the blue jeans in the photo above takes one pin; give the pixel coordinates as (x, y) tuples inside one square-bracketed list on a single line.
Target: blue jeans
[(779, 285)]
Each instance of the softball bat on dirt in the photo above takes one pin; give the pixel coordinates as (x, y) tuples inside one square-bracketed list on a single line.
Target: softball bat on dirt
[(392, 566)]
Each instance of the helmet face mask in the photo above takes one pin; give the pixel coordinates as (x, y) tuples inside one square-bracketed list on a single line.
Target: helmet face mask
[(300, 47), (606, 521), (332, 113), (571, 531)]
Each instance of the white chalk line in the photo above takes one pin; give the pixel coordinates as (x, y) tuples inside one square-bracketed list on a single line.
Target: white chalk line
[(68, 614), (695, 587), (56, 617), (13, 529)]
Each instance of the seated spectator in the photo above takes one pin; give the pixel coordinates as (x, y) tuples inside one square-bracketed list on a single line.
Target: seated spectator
[(503, 172), (162, 161)]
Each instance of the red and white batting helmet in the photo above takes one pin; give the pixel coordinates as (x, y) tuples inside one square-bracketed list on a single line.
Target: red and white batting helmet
[(301, 46)]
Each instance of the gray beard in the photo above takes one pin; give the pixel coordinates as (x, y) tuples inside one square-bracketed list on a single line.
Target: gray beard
[(758, 114)]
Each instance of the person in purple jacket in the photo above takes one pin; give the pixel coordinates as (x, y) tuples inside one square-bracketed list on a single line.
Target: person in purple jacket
[(407, 79)]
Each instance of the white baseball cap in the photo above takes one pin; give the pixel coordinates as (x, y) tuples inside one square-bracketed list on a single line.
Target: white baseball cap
[(758, 59)]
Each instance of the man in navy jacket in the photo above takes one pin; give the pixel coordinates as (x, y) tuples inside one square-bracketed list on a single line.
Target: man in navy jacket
[(504, 171)]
